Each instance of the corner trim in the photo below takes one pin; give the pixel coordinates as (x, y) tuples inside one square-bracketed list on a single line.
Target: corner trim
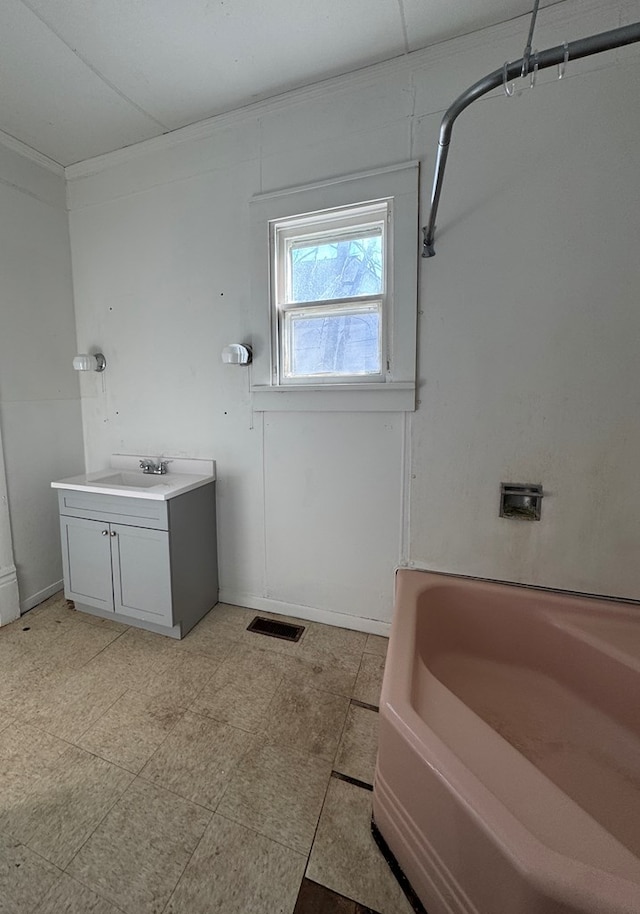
[(27, 152)]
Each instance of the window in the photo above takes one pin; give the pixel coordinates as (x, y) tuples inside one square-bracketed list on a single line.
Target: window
[(334, 294), (329, 295)]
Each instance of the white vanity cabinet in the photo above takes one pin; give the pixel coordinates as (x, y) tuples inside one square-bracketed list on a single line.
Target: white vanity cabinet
[(151, 563)]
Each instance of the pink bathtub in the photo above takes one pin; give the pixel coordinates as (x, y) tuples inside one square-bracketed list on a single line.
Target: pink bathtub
[(508, 775)]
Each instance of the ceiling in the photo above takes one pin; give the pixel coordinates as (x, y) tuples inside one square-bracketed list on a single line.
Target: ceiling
[(83, 77)]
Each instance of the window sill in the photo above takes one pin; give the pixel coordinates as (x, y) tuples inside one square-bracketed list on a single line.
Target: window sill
[(394, 396)]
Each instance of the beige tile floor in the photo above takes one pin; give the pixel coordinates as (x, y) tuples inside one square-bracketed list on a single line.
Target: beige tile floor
[(144, 775)]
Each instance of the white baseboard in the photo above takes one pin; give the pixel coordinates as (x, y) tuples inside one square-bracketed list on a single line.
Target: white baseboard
[(308, 613), (9, 596), (41, 596)]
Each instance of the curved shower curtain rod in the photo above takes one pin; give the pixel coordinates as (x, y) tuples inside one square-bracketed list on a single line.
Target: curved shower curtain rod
[(583, 47)]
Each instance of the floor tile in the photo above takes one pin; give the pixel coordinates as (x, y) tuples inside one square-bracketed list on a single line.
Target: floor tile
[(55, 609), (14, 641), (71, 707), (376, 644), (137, 645), (323, 670), (237, 871), (68, 802), (232, 735), (183, 675), (26, 745), (369, 681), (30, 626), (346, 859), (227, 620), (59, 607), (25, 756), (14, 671), (25, 878), (131, 730), (12, 653), (137, 854), (31, 639), (25, 683), (278, 792), (69, 897), (337, 640), (241, 689), (131, 661), (99, 621), (198, 759), (207, 640), (306, 719), (78, 643), (66, 611), (257, 665), (356, 756)]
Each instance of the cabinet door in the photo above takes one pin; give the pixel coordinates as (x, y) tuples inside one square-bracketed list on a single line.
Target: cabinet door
[(141, 573), (86, 560)]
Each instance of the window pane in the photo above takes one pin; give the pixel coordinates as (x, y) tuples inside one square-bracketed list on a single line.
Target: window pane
[(336, 268), (333, 343)]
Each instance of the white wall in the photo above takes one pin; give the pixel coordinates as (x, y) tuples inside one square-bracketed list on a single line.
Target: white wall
[(528, 328), (40, 415), (536, 290)]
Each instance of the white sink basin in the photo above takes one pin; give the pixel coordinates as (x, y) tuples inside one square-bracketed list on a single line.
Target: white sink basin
[(124, 477)]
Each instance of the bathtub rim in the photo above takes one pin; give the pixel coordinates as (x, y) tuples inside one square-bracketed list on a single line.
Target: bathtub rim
[(543, 588)]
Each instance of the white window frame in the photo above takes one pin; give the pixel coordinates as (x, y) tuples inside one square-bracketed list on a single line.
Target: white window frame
[(313, 226), (394, 388)]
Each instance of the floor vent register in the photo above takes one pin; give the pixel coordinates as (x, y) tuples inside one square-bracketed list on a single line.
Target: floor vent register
[(275, 629)]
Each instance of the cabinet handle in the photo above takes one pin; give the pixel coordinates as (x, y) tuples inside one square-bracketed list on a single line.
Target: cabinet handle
[(105, 533), (113, 533)]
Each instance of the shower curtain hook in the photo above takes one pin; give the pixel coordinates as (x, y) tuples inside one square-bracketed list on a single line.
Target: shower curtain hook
[(534, 73), (562, 67), (508, 90)]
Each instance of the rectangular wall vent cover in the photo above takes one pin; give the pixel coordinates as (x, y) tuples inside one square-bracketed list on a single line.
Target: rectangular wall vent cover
[(275, 629)]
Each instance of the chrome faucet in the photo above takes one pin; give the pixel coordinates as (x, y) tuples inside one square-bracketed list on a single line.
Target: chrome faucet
[(157, 468)]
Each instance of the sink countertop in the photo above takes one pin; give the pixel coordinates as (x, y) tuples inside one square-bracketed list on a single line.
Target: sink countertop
[(183, 474)]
